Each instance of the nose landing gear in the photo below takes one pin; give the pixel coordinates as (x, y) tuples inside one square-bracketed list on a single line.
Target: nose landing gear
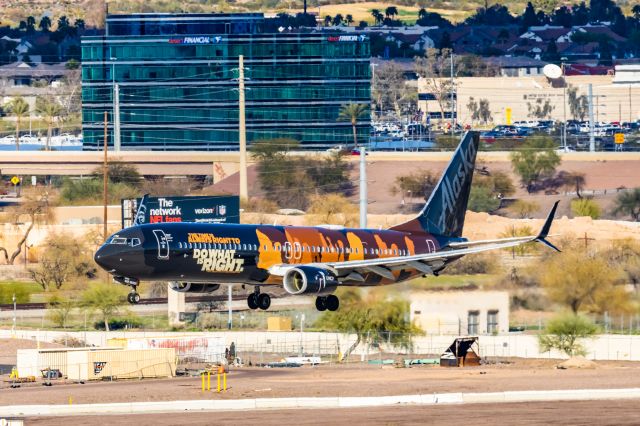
[(259, 300), (133, 297)]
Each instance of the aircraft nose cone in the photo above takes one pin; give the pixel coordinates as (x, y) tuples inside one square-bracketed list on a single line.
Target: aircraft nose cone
[(102, 258)]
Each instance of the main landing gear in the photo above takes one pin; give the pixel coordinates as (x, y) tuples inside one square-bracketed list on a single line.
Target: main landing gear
[(259, 300), (327, 303)]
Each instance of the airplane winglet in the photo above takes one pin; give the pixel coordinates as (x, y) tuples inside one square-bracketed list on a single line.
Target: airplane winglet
[(544, 232), (140, 211)]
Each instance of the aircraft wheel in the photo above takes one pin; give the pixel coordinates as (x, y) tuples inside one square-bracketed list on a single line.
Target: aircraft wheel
[(252, 301), (133, 298), (321, 303), (264, 301), (332, 302)]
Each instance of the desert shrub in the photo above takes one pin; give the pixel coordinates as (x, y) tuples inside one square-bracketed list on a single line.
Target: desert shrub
[(482, 263), (586, 207), (563, 333), (121, 323), (331, 209), (523, 209), (259, 205), (520, 231), (481, 199)]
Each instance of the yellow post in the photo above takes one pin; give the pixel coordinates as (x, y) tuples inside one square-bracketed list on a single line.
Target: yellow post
[(218, 382), (208, 380), (202, 382), (224, 381), (70, 400)]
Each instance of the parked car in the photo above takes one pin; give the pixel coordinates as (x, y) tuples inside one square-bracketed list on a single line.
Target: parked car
[(29, 138), (8, 140)]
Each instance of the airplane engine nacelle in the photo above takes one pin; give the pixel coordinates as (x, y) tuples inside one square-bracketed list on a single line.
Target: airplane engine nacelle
[(307, 279), (194, 287)]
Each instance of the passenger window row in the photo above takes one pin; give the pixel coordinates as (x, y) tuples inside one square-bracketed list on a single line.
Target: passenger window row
[(287, 248)]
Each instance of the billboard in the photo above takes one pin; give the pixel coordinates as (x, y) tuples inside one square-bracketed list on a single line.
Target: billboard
[(205, 209)]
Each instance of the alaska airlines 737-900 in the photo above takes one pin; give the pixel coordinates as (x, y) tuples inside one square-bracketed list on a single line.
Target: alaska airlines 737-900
[(199, 257)]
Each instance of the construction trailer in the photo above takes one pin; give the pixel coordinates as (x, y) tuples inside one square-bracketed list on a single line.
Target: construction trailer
[(31, 362), (121, 364)]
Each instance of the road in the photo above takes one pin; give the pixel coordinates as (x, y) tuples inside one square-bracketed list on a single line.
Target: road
[(599, 413)]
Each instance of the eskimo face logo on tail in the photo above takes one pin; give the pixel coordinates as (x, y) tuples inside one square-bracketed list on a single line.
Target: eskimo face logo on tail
[(452, 184)]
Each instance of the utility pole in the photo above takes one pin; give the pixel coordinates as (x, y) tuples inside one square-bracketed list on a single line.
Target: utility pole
[(229, 300), (244, 191), (105, 177), (116, 117), (564, 109), (630, 112), (592, 141), (453, 124), (363, 187)]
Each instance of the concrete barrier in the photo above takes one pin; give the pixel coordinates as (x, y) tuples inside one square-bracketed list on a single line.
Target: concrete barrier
[(322, 402)]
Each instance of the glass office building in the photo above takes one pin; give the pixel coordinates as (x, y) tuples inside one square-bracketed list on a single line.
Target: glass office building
[(177, 79)]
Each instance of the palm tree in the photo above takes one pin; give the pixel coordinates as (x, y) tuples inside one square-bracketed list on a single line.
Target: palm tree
[(391, 11), (31, 24), (337, 20), (50, 110), (351, 112), (19, 108), (349, 19), (45, 24), (377, 15), (628, 203), (327, 20), (80, 24)]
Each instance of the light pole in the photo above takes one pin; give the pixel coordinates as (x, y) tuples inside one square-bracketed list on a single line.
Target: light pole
[(301, 332), (115, 106), (564, 106), (13, 328)]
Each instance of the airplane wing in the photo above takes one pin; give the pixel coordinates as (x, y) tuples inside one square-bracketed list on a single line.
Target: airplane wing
[(427, 262)]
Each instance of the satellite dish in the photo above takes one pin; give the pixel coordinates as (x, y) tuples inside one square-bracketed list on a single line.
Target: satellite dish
[(552, 71)]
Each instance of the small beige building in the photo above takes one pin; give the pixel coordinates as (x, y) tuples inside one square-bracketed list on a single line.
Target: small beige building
[(613, 99), (464, 313)]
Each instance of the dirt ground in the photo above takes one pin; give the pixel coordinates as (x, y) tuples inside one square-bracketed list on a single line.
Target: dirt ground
[(601, 413), (349, 380)]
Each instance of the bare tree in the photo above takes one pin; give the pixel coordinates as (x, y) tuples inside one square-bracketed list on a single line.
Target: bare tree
[(578, 105), (390, 90), (35, 207), (480, 110), (540, 109), (435, 70)]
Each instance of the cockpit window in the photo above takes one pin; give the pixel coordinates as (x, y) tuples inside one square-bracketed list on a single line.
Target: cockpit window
[(132, 242)]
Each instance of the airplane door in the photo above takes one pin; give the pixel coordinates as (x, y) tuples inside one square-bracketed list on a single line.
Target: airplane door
[(163, 244)]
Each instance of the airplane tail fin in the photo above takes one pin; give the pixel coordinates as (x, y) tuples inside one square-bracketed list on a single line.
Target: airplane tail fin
[(141, 211), (443, 214)]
